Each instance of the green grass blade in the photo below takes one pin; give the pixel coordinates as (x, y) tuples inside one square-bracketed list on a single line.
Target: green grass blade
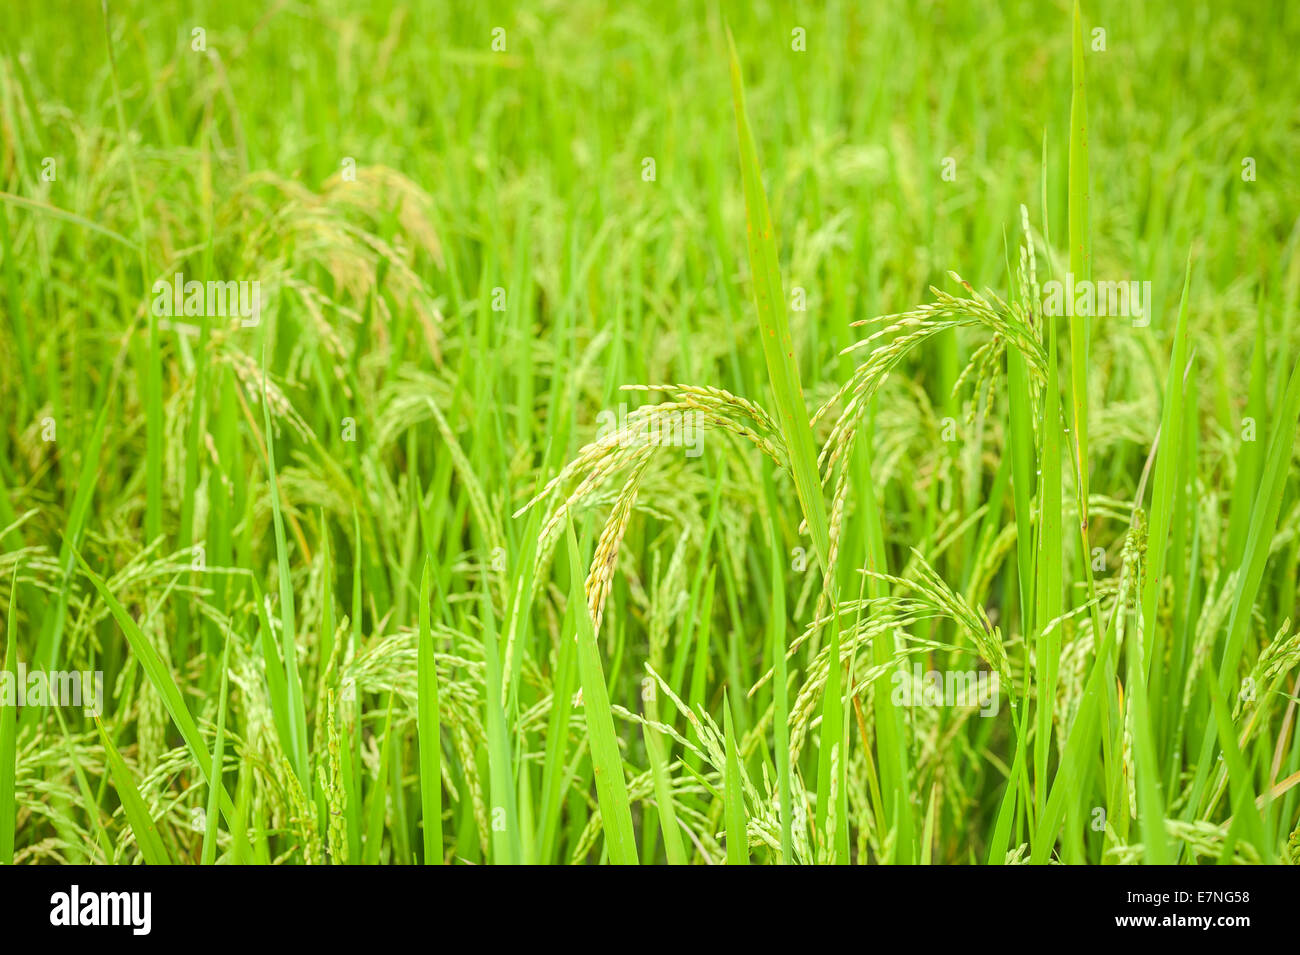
[(781, 700), (674, 850), (774, 329), (733, 795), (1169, 470), (501, 773), (606, 761), (1049, 579), (293, 683), (377, 800), (1263, 525), (147, 837), (9, 735), (555, 757), (161, 677), (88, 797), (209, 851), (1245, 812), (429, 728), (830, 766), (1081, 269)]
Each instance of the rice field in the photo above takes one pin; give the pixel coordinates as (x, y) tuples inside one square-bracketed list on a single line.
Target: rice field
[(581, 432)]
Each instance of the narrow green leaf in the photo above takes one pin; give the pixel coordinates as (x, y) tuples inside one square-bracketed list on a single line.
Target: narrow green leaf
[(8, 735), (211, 820), (429, 728), (1080, 268), (781, 700), (606, 760), (674, 849), (733, 795), (142, 824), (160, 676), (293, 683), (774, 328)]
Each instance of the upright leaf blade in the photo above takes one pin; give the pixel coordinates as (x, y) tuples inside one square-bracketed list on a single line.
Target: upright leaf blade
[(606, 761), (429, 729), (142, 824), (774, 328), (733, 794), (1080, 268), (161, 677), (8, 737)]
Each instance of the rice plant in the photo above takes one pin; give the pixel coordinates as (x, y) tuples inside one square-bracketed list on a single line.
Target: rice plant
[(586, 434)]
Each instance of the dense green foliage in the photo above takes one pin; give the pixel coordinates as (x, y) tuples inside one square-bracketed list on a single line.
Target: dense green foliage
[(397, 568)]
